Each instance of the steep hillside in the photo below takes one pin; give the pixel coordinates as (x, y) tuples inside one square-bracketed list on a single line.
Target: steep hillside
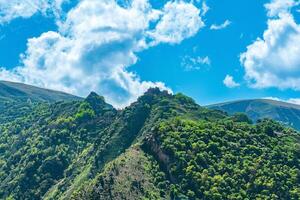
[(17, 99), (256, 109), (162, 146), (36, 149)]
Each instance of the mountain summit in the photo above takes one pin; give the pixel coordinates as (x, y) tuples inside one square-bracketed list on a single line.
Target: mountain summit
[(98, 103)]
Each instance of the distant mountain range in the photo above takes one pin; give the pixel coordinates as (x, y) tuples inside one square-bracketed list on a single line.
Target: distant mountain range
[(18, 99), (10, 91), (286, 113), (55, 146)]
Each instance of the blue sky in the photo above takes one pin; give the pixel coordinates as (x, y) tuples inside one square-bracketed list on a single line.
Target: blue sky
[(216, 57)]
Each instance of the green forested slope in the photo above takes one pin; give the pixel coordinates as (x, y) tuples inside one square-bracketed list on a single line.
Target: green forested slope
[(37, 148), (161, 147), (226, 160), (17, 99)]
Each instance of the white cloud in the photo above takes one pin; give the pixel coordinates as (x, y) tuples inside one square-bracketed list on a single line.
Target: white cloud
[(179, 21), (12, 9), (220, 26), (294, 101), (229, 82), (205, 8), (291, 100), (97, 43), (278, 7), (195, 63), (273, 60)]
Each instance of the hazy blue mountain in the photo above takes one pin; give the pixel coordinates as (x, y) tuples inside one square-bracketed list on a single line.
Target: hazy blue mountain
[(18, 100), (18, 91), (263, 108)]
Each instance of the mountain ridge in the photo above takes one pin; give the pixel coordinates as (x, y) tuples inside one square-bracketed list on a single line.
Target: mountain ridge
[(256, 109), (162, 146), (271, 101), (13, 91)]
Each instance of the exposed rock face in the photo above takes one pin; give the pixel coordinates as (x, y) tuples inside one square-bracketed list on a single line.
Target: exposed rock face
[(153, 147)]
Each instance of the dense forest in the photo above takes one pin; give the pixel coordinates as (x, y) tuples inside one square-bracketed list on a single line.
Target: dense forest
[(162, 146)]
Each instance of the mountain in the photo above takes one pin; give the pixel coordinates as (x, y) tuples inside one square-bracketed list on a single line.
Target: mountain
[(10, 91), (162, 146), (17, 99), (286, 113)]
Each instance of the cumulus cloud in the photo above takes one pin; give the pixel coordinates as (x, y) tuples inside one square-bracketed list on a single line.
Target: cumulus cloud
[(220, 26), (273, 60), (229, 82), (195, 63), (96, 44), (179, 20), (278, 7), (13, 9)]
